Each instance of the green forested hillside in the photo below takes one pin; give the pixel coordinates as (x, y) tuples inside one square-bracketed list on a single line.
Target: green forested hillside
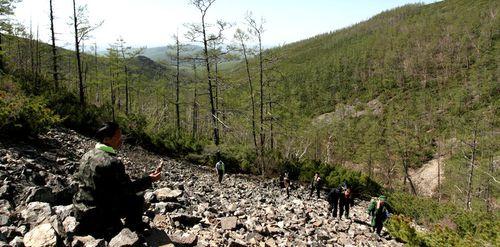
[(430, 69)]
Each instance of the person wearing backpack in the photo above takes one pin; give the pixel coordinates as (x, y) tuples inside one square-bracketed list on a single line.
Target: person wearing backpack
[(378, 210), (316, 184), (220, 169)]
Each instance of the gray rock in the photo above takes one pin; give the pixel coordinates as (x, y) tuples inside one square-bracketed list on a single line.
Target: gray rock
[(41, 236), (125, 238), (17, 242), (149, 197), (166, 194), (184, 239), (228, 223), (87, 241), (36, 213), (70, 224), (4, 219), (64, 211)]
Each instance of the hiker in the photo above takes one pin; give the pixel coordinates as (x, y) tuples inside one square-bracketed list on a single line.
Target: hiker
[(105, 192), (379, 213), (286, 184), (333, 201), (316, 184), (220, 169), (345, 201)]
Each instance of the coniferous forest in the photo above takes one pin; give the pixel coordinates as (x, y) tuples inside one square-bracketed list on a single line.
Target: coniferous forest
[(405, 104)]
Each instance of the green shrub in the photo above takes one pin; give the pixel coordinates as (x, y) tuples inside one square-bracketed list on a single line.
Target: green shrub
[(21, 115), (399, 227), (83, 119)]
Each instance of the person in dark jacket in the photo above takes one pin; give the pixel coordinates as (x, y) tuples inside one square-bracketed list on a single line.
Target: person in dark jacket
[(333, 201), (345, 202), (105, 192)]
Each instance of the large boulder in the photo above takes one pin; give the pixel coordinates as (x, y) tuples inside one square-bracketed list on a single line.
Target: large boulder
[(36, 213), (42, 235), (167, 195), (125, 238)]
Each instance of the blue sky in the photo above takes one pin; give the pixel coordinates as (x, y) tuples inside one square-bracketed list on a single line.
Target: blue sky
[(151, 23)]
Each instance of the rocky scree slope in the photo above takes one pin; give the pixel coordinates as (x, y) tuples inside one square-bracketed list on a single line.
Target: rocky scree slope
[(186, 208)]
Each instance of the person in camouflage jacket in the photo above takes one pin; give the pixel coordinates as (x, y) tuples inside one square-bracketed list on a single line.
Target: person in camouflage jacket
[(105, 192), (379, 211)]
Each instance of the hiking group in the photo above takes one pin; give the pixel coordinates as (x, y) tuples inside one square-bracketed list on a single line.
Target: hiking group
[(340, 199), (104, 188)]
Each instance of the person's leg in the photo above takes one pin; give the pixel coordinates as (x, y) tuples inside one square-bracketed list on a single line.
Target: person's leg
[(219, 173), (99, 224), (341, 210), (287, 191), (312, 191), (318, 191), (335, 205), (346, 209), (379, 224), (133, 212)]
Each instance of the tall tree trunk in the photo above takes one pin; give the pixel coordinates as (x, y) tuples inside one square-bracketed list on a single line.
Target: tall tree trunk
[(2, 65), (177, 82), (54, 50), (78, 58), (38, 66), (210, 91), (261, 80), (195, 114), (471, 170), (252, 97)]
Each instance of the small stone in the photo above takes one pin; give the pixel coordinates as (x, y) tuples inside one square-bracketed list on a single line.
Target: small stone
[(184, 239), (17, 242), (149, 197), (229, 223), (124, 238), (64, 211), (41, 236), (87, 241), (70, 224)]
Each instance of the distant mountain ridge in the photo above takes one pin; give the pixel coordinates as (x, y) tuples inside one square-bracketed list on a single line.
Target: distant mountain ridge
[(161, 53)]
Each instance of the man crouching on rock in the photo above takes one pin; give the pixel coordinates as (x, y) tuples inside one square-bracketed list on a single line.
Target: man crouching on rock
[(106, 193)]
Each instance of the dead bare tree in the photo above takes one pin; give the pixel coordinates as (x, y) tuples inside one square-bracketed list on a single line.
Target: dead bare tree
[(198, 32), (242, 37), (54, 50), (82, 30)]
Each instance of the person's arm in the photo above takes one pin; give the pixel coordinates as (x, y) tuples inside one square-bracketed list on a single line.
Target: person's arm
[(371, 208), (118, 180)]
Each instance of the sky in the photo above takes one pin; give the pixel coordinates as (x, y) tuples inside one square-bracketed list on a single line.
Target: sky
[(152, 23)]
